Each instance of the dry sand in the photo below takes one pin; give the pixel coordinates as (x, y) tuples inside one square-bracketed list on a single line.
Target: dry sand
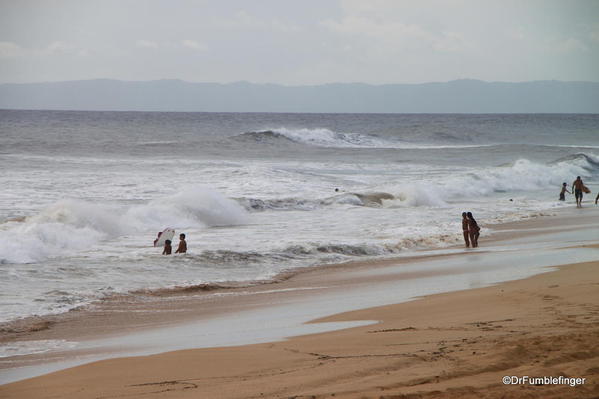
[(456, 345)]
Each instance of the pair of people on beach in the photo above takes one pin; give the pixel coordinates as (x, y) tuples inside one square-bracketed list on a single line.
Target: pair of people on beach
[(180, 250), (470, 229), (578, 188)]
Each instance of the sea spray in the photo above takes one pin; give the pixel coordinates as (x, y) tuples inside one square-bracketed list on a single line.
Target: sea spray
[(190, 207), (69, 226)]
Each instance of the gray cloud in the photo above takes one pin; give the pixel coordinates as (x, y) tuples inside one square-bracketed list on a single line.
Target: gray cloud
[(308, 42)]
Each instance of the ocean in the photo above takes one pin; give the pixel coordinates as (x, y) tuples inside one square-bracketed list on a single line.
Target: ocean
[(84, 194)]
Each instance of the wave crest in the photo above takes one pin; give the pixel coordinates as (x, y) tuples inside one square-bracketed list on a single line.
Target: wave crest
[(589, 162), (322, 137), (319, 137), (72, 225)]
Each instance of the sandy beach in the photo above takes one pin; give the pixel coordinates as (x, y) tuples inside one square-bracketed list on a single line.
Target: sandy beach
[(299, 200), (456, 344)]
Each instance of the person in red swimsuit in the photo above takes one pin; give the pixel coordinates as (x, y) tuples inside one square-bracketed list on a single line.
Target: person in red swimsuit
[(473, 229), (465, 229)]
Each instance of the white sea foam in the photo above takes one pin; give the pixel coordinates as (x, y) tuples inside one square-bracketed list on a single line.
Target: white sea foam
[(20, 348), (322, 137), (275, 206), (68, 226), (517, 177), (520, 176), (187, 208)]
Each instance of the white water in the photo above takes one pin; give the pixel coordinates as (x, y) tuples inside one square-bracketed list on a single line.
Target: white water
[(328, 138), (78, 227)]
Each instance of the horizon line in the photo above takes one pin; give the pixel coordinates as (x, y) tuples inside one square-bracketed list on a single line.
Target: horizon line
[(296, 112), (298, 85)]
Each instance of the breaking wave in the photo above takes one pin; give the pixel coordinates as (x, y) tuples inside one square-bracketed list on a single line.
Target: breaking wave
[(316, 137), (68, 226), (524, 175), (322, 137), (372, 200), (584, 161), (518, 176)]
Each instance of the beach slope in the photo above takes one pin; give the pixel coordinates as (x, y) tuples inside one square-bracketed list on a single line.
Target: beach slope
[(452, 345)]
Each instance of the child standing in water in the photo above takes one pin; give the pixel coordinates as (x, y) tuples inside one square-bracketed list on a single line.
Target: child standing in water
[(562, 194), (167, 248), (473, 229), (465, 229), (182, 245)]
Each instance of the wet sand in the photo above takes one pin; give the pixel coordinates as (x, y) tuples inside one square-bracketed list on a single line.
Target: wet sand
[(458, 344)]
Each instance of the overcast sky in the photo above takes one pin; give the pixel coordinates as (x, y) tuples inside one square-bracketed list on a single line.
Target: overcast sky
[(299, 42)]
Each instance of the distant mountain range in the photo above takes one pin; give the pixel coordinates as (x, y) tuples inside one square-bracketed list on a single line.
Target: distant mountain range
[(458, 96)]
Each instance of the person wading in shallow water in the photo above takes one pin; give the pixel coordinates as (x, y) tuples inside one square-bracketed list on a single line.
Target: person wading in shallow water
[(577, 187), (562, 194), (465, 229), (182, 245), (167, 248), (473, 229)]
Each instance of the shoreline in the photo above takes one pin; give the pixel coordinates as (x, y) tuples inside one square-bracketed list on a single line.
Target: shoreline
[(499, 232), (457, 344), (21, 323), (136, 317)]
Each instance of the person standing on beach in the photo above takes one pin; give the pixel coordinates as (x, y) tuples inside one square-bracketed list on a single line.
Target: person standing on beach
[(473, 230), (182, 245), (577, 188), (562, 194), (465, 229)]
